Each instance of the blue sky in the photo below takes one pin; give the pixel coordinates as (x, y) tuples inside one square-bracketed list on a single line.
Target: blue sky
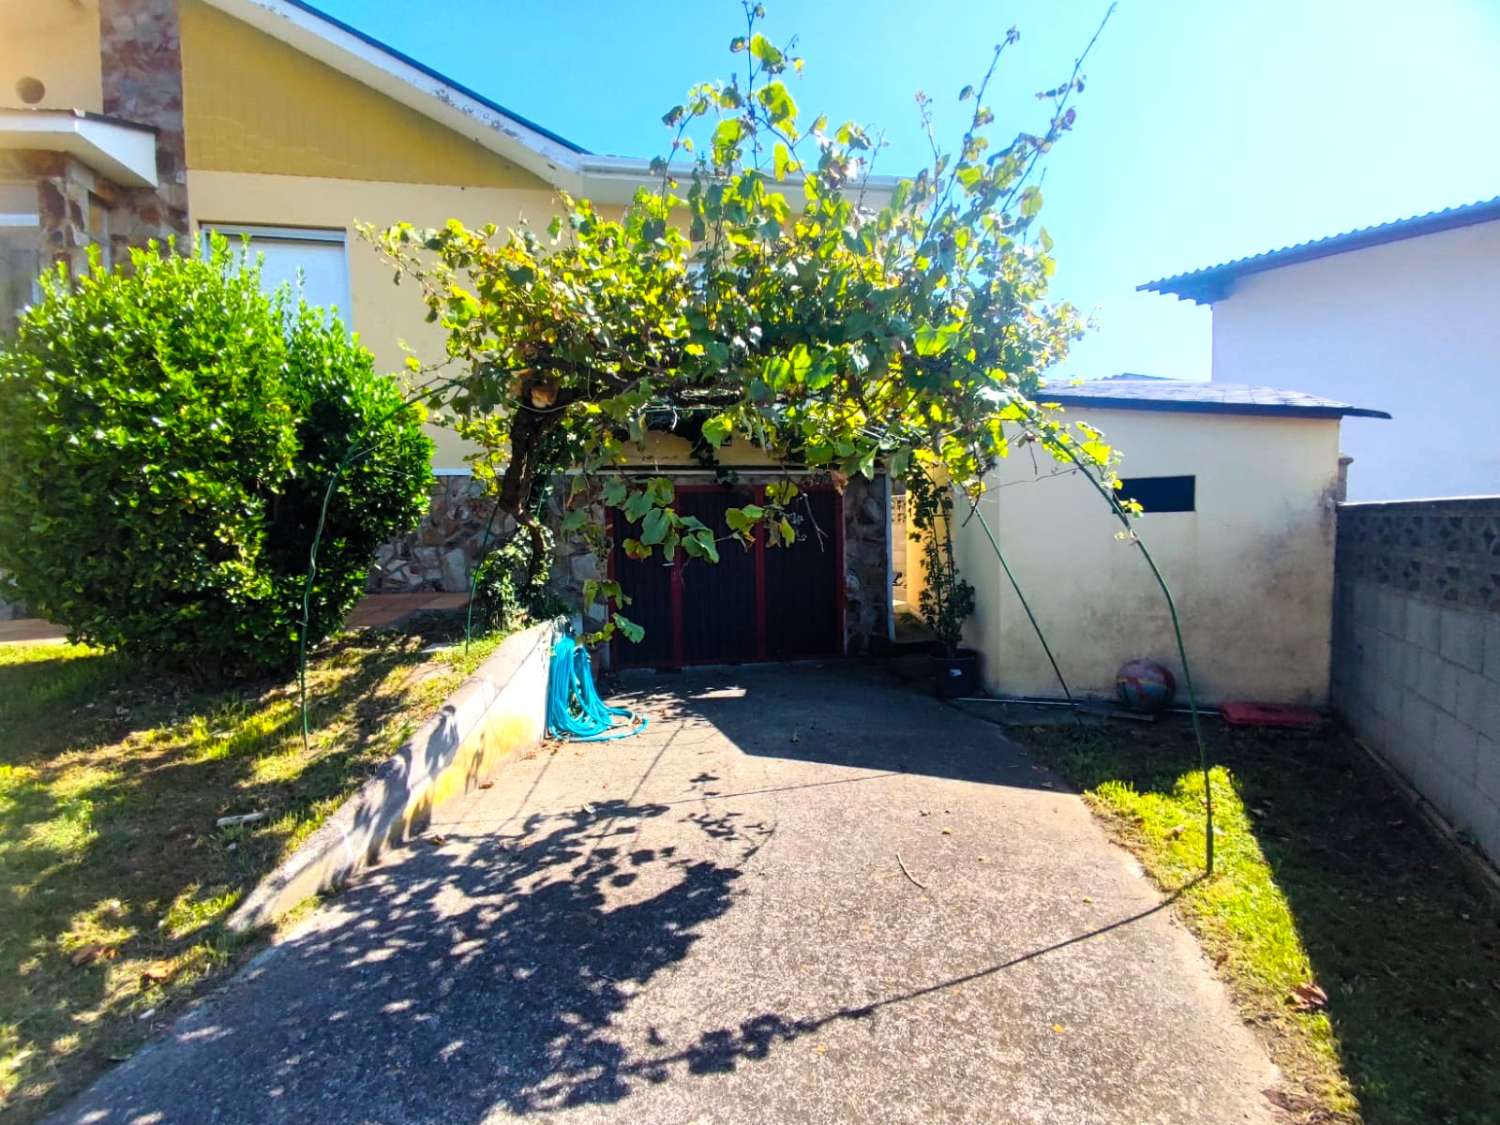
[(1209, 129)]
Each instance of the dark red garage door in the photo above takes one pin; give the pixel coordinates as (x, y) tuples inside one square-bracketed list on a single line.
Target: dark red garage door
[(756, 603)]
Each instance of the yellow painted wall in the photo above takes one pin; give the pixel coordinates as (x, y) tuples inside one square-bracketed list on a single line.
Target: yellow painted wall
[(254, 104), (1251, 568), (56, 41), (668, 451), (382, 312)]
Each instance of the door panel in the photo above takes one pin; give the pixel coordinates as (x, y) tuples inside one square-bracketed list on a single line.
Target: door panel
[(802, 593), (648, 583), (718, 599)]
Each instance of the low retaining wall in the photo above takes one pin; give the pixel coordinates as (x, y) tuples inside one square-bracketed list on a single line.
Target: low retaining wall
[(1416, 649), (500, 709)]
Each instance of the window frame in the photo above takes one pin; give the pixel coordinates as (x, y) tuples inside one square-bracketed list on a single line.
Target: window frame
[(26, 221), (340, 235)]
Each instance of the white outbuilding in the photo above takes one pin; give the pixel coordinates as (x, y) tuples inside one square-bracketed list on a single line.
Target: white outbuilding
[(1239, 485)]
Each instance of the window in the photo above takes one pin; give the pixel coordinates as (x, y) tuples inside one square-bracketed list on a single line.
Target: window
[(1161, 494), (316, 256), (99, 230), (20, 252)]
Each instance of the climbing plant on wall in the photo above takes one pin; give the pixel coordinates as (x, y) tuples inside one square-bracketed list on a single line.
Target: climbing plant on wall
[(764, 285)]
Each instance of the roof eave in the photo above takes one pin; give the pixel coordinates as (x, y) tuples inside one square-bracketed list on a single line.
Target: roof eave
[(1214, 283), (1168, 406), (616, 179), (120, 150)]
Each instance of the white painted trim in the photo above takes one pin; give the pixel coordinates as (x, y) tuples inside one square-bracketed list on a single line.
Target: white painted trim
[(19, 220), (286, 234), (615, 179), (126, 154)]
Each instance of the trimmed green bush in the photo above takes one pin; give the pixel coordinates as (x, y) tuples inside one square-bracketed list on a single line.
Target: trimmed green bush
[(167, 434)]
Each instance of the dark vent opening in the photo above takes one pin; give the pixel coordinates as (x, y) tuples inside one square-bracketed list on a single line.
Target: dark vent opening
[(1161, 494)]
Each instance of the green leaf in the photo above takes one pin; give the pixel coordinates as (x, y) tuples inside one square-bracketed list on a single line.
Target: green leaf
[(778, 103), (717, 430), (633, 632), (781, 161), (655, 527), (1031, 201), (638, 505), (727, 137), (932, 340), (765, 51)]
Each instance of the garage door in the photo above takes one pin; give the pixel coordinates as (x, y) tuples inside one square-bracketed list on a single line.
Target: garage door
[(756, 603)]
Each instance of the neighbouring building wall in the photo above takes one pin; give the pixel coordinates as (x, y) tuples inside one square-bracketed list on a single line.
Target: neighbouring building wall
[(1251, 568), (1408, 327), (1416, 670)]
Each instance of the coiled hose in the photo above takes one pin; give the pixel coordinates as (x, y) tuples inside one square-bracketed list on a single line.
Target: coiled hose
[(574, 709)]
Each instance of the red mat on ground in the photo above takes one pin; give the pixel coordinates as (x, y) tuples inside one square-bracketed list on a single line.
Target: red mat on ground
[(1270, 715)]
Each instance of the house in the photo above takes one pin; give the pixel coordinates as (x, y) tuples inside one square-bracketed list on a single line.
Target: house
[(1239, 486), (127, 120), (1403, 314)]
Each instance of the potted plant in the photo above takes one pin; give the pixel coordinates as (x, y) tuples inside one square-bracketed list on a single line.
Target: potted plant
[(946, 600)]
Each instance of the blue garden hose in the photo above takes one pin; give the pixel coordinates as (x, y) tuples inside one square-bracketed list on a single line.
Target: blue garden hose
[(574, 709)]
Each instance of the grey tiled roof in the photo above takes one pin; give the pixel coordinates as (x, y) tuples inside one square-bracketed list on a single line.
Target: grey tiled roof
[(1148, 392), (1211, 283)]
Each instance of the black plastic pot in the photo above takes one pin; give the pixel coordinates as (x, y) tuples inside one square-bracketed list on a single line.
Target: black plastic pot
[(956, 675)]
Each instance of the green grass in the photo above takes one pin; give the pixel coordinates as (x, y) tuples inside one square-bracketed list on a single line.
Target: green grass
[(1323, 875), (115, 882)]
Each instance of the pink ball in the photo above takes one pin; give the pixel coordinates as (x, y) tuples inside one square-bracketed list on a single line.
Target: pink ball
[(1144, 685)]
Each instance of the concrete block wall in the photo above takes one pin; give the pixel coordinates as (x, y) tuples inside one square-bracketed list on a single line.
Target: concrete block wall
[(1416, 648)]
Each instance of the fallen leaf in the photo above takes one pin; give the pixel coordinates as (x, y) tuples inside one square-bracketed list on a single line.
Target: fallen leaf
[(1308, 997), (88, 954), (158, 972), (1058, 1028), (1174, 832), (436, 839), (486, 785), (947, 831)]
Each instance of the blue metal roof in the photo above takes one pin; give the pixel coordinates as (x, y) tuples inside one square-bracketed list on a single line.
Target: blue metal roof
[(1212, 283), (1149, 392)]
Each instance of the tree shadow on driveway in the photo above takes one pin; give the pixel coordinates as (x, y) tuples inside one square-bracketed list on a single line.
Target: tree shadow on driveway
[(546, 962), (399, 1009)]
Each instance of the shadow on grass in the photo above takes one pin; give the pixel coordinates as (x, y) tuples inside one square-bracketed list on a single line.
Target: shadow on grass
[(109, 853), (1405, 950)]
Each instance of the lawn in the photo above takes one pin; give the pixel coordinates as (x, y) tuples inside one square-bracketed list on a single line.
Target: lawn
[(1325, 877), (115, 880)]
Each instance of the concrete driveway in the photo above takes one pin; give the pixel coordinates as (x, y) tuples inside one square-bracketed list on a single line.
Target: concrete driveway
[(709, 922)]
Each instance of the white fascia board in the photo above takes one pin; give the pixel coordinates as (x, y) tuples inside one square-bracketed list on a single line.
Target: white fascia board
[(400, 81), (125, 154), (615, 179)]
